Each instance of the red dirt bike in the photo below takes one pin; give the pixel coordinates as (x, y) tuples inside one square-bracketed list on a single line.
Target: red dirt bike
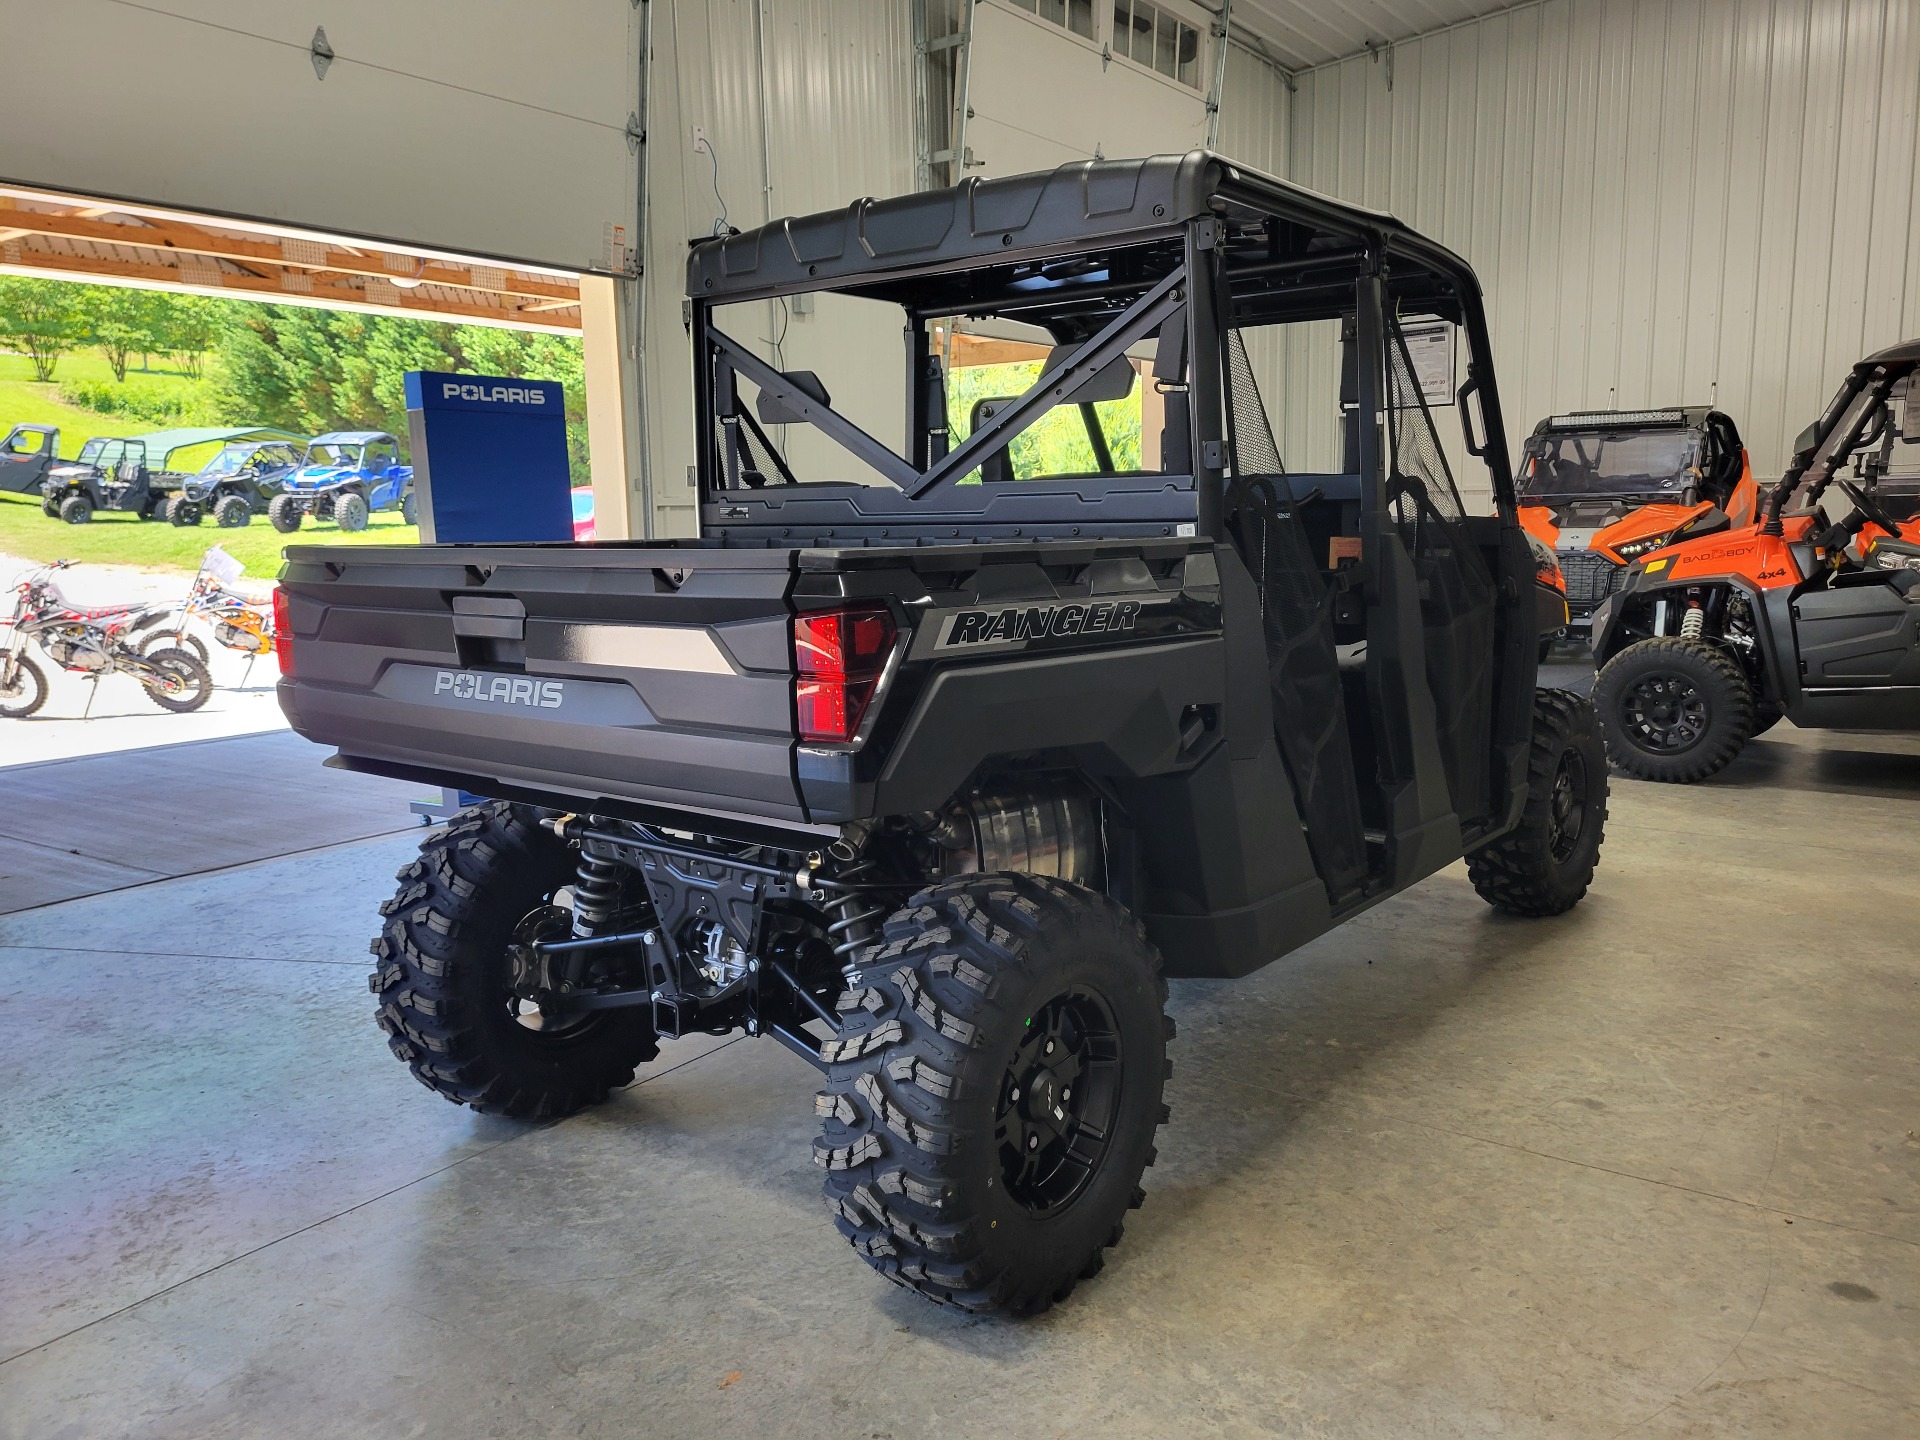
[(96, 641)]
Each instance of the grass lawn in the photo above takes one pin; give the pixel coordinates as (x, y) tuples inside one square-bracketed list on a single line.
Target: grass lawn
[(126, 539), (25, 401)]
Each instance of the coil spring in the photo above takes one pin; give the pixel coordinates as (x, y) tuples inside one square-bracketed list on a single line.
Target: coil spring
[(856, 917), (1693, 623), (596, 890)]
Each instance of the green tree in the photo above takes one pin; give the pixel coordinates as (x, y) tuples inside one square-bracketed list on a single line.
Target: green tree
[(317, 370), (191, 325), (43, 318), (124, 323)]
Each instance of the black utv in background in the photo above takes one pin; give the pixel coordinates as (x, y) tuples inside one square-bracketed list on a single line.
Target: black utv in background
[(935, 779), (109, 474), (235, 485)]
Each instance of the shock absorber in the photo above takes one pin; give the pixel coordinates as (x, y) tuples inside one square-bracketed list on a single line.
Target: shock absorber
[(1694, 622), (596, 890), (856, 917)]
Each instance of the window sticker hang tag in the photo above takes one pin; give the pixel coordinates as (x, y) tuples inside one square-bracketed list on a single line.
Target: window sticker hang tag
[(1430, 351)]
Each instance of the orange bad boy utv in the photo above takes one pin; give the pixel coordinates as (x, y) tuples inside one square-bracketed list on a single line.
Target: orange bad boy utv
[(1812, 612), (1602, 488)]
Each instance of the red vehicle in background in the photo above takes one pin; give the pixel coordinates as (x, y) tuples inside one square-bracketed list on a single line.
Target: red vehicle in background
[(1603, 488), (1811, 613)]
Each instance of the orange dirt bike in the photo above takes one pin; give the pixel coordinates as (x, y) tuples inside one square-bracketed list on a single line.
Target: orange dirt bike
[(234, 621), (1811, 613)]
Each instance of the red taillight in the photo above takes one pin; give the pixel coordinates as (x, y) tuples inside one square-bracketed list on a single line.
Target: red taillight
[(839, 656), (282, 633)]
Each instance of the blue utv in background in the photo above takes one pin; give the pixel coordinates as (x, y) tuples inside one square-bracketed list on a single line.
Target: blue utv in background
[(344, 477)]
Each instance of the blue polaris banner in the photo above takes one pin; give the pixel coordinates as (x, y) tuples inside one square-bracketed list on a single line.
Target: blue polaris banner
[(489, 458)]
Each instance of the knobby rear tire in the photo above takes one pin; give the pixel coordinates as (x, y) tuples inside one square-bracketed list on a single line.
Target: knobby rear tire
[(190, 671), (443, 975), (914, 1112)]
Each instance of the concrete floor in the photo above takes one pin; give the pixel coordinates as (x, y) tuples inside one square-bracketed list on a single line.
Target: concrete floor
[(1649, 1169)]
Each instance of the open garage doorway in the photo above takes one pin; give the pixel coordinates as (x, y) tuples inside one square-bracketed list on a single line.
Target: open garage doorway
[(296, 358)]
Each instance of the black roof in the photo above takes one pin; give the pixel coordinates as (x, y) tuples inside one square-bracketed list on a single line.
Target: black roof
[(1907, 352), (1048, 211)]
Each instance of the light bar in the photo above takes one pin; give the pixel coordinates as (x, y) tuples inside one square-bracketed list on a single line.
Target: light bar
[(1595, 419)]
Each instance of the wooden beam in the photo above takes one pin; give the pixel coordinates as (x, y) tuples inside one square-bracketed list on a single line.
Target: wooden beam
[(266, 287), (297, 254)]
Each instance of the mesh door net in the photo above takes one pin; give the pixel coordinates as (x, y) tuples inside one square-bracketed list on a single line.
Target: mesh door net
[(1456, 590), (1296, 611)]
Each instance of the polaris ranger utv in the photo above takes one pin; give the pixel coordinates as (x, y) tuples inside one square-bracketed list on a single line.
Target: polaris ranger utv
[(1811, 614), (934, 779)]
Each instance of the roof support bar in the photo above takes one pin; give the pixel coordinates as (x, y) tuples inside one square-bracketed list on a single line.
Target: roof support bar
[(1134, 323), (822, 417)]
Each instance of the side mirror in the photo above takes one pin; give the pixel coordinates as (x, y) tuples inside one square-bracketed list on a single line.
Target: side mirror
[(1805, 445)]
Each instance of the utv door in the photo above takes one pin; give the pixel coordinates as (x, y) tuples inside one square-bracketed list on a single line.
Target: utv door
[(1379, 605), (1863, 632)]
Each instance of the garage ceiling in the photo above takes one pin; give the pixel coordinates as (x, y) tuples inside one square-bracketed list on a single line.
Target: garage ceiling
[(109, 242), (1300, 34)]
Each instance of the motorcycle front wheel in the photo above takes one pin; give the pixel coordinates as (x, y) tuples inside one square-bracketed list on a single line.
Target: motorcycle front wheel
[(23, 689)]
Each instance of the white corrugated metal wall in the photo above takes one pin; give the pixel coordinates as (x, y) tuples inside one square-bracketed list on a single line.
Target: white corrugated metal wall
[(1664, 199), (839, 125), (1254, 113)]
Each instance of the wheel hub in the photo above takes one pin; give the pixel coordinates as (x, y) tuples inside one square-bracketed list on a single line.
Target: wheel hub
[(1567, 806), (1665, 714), (1057, 1101)]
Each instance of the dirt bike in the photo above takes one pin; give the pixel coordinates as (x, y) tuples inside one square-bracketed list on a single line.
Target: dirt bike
[(235, 621), (97, 641)]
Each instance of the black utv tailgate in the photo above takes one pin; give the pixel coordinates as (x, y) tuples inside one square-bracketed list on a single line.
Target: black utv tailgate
[(651, 675)]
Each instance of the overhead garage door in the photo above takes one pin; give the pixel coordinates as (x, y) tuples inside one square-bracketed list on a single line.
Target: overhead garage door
[(478, 126)]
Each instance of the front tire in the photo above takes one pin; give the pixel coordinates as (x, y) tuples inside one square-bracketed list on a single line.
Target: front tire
[(1544, 865), (283, 513), (1673, 710), (409, 510), (444, 977), (350, 512), (992, 1099), (76, 509), (25, 693)]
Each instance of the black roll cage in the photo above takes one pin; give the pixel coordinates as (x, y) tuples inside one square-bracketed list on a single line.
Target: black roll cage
[(1253, 251), (1815, 465)]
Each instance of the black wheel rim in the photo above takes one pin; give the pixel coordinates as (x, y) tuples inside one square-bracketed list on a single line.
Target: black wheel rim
[(1664, 713), (1054, 1119), (543, 922), (1567, 806)]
